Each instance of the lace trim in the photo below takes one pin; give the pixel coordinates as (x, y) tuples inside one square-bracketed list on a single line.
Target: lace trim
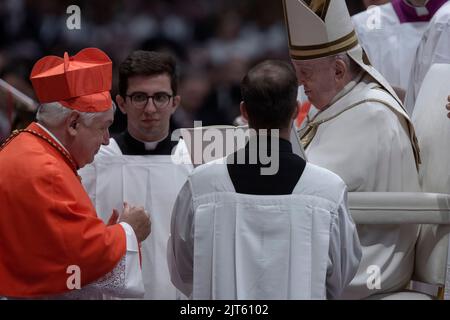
[(113, 283), (115, 280)]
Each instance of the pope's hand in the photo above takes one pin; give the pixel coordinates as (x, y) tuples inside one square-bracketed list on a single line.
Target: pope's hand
[(138, 219)]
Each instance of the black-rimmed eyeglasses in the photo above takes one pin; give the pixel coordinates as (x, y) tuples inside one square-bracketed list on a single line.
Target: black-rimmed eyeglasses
[(139, 100)]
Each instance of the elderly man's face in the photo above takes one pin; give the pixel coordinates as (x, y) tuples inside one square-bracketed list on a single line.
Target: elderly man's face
[(90, 137), (318, 78)]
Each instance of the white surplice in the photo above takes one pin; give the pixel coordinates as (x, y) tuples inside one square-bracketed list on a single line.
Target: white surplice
[(390, 45), (434, 48), (151, 181), (369, 147), (226, 245)]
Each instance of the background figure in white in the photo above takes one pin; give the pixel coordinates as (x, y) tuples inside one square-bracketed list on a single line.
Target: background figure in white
[(434, 48), (433, 130), (137, 166), (433, 133), (390, 35)]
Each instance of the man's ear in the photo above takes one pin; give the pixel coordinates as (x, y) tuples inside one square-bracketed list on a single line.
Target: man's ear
[(340, 69), (243, 109), (72, 123), (176, 103), (121, 103)]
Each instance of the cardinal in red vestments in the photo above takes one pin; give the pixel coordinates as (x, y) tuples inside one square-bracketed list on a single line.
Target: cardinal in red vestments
[(47, 220)]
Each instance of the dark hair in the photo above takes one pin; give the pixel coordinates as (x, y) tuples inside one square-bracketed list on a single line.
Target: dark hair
[(147, 63), (269, 91)]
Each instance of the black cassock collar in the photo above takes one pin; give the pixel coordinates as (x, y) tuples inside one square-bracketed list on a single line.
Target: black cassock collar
[(130, 146), (247, 177)]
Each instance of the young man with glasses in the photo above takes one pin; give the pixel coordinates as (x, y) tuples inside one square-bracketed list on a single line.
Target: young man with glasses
[(137, 165), (148, 96)]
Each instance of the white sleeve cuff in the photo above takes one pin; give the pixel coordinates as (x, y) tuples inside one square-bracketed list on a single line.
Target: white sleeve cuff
[(134, 286)]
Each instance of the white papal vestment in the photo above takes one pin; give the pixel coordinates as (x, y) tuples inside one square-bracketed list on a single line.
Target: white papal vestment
[(363, 137)]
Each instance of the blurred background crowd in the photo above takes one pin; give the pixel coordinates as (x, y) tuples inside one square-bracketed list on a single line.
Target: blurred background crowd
[(214, 41)]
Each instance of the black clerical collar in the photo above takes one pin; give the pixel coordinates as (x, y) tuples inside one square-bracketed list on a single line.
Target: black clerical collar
[(131, 146), (247, 177), (284, 145)]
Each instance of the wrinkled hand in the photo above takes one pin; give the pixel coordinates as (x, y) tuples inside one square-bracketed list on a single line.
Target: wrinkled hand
[(138, 219), (448, 106)]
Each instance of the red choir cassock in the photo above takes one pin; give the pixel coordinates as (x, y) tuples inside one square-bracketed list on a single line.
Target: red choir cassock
[(47, 221)]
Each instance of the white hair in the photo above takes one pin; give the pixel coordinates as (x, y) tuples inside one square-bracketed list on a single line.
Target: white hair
[(54, 114)]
